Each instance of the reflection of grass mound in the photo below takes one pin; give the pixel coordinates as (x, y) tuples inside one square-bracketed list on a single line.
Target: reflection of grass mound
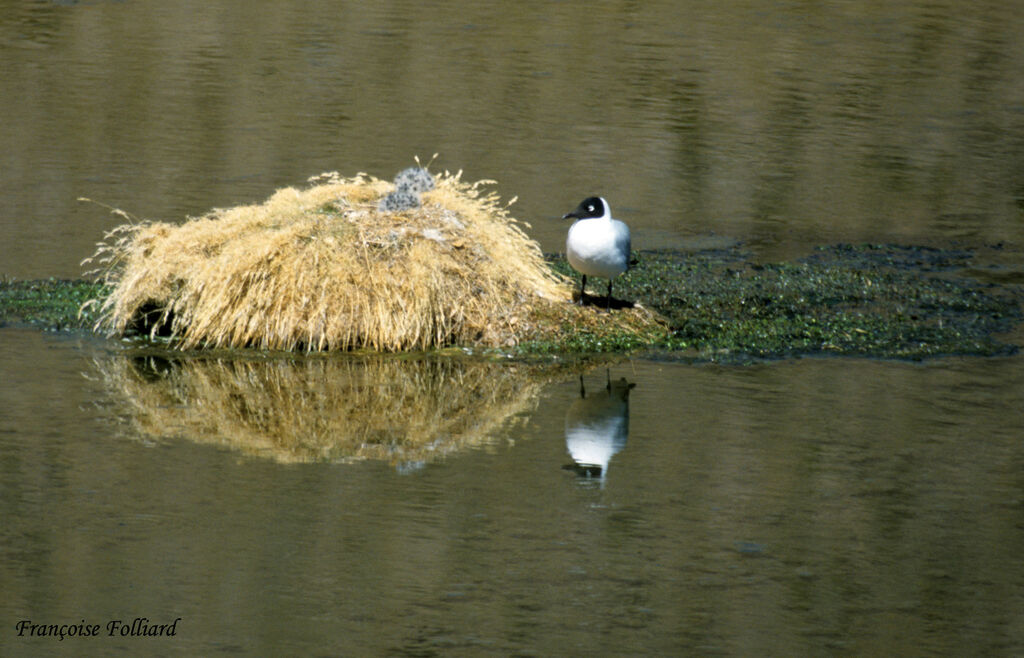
[(336, 409), (323, 268)]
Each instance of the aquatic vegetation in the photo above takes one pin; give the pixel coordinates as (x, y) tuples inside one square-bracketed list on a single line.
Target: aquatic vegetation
[(870, 300), (49, 303), (324, 268), (884, 301)]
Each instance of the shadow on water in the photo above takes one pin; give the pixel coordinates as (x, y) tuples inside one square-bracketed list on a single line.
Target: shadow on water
[(402, 411), (597, 428)]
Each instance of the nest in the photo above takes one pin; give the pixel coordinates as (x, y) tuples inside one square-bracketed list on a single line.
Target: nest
[(324, 268)]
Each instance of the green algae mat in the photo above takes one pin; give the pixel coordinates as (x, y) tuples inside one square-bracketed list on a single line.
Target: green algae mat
[(883, 301), (50, 304)]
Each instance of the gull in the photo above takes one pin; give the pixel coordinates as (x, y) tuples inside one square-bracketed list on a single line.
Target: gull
[(597, 244), (409, 184)]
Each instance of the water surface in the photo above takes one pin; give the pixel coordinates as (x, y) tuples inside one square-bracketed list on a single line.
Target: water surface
[(816, 506), (776, 123)]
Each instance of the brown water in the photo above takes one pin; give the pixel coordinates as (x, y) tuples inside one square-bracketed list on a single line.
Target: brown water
[(781, 124), (296, 506), (808, 507)]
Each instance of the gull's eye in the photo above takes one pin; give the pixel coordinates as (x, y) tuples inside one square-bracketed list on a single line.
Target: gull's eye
[(590, 208)]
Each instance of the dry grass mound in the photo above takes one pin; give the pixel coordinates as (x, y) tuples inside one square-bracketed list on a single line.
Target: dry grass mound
[(317, 409), (323, 268)]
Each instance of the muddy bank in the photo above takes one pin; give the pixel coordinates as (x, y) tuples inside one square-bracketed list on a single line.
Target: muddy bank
[(885, 301)]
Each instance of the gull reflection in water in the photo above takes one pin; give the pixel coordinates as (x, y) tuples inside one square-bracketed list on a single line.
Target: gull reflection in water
[(596, 427)]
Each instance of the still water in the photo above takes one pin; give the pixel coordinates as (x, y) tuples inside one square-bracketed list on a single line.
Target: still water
[(791, 508), (781, 124), (365, 505)]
